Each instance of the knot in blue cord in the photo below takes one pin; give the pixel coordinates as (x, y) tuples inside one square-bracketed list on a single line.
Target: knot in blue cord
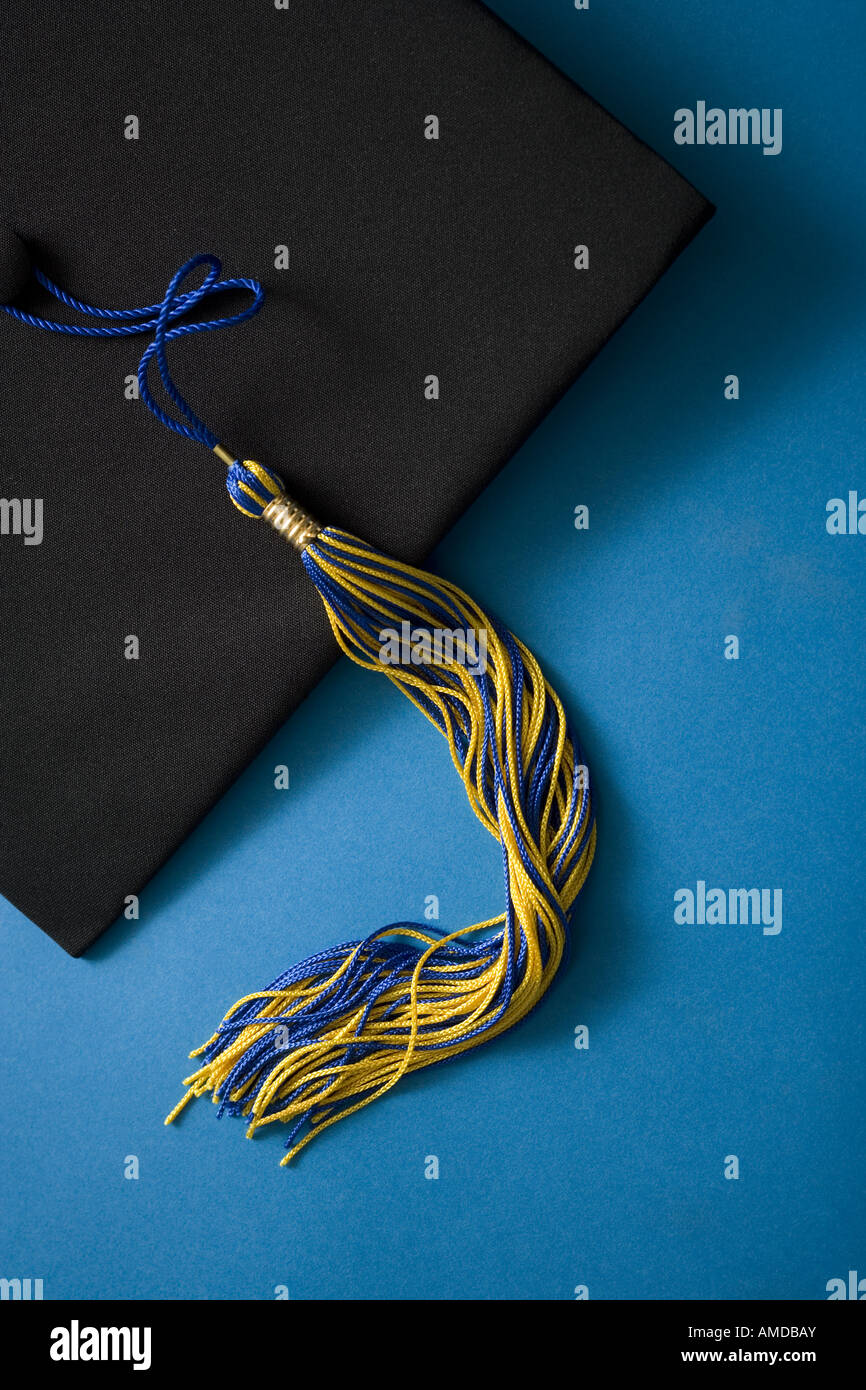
[(158, 318), (172, 307)]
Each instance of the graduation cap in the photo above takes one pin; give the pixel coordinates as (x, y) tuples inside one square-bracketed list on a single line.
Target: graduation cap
[(446, 231)]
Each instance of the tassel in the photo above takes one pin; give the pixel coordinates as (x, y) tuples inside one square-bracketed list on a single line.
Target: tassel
[(337, 1031)]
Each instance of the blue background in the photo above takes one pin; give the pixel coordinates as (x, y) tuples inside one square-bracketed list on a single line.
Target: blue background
[(558, 1167)]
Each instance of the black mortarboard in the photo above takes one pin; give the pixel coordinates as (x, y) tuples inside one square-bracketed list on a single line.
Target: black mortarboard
[(298, 145)]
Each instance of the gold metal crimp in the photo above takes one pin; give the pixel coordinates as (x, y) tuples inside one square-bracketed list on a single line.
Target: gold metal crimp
[(291, 521), (222, 453)]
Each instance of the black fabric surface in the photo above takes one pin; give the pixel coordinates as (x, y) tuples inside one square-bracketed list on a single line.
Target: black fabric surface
[(262, 127)]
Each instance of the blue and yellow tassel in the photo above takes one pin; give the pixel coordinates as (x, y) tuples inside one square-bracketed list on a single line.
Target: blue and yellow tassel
[(341, 1028), (338, 1030)]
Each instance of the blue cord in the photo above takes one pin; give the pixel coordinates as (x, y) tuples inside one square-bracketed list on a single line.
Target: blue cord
[(122, 323)]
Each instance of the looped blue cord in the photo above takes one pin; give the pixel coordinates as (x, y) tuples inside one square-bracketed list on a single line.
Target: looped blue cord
[(122, 323)]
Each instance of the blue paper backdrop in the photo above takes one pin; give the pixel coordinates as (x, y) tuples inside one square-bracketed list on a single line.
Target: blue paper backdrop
[(559, 1167)]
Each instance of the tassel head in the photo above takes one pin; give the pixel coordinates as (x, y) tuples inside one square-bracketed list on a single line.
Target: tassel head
[(252, 487)]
